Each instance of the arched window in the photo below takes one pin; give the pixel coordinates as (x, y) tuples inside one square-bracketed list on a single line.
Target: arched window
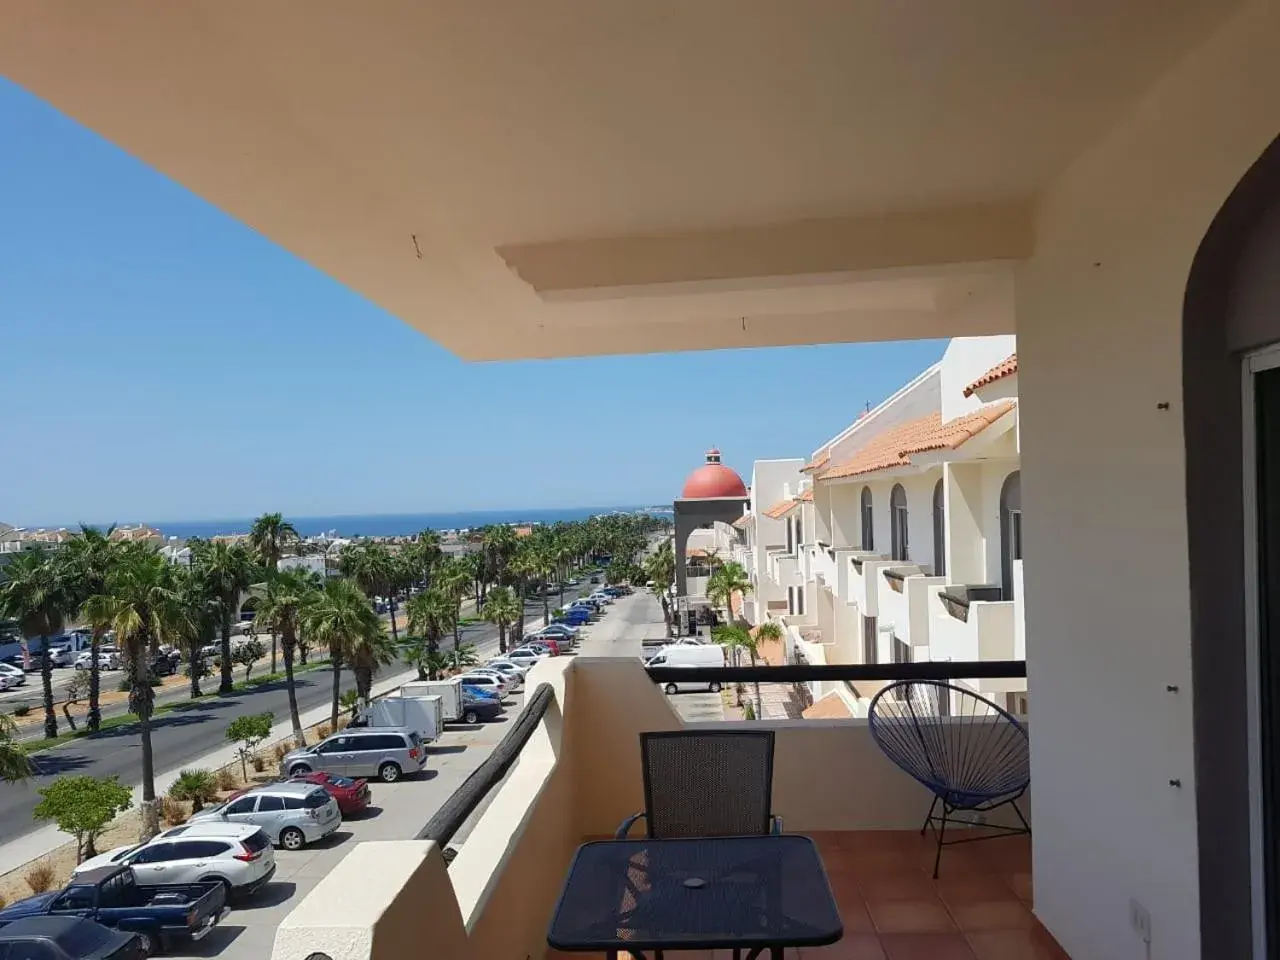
[(868, 520), (939, 531), (898, 523), (1010, 530)]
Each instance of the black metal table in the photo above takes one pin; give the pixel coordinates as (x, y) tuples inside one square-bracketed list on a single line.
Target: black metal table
[(737, 893)]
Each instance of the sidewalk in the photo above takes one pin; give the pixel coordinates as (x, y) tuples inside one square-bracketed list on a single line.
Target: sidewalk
[(18, 852)]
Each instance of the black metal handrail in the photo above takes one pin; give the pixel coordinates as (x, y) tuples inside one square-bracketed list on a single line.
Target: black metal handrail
[(804, 673), (453, 813)]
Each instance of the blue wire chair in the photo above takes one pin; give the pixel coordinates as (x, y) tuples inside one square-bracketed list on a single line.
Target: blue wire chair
[(972, 755)]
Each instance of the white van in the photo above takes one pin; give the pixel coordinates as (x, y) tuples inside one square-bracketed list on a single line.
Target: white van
[(689, 655)]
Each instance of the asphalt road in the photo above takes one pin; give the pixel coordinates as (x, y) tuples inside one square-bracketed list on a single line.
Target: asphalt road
[(182, 736)]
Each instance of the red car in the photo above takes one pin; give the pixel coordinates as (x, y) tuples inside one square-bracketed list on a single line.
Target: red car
[(352, 795)]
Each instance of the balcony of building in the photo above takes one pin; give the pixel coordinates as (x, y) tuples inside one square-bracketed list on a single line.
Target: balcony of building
[(785, 570), (902, 601), (542, 793), (864, 578), (973, 623)]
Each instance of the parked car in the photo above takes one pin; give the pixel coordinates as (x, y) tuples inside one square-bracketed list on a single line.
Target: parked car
[(508, 667), (484, 693), (557, 630), (551, 646), (690, 655), (595, 579), (290, 814), (485, 681), (67, 938), (108, 659), (477, 708), (111, 896), (513, 681), (386, 752), (574, 617), (61, 656), (602, 597), (352, 795), (523, 656), (7, 682), (237, 855), (164, 665), (16, 674)]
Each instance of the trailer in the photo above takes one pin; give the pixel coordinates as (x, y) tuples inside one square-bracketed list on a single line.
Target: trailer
[(449, 692), (423, 715)]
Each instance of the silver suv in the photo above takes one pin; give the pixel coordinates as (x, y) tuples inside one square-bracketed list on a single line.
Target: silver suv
[(290, 814), (385, 752)]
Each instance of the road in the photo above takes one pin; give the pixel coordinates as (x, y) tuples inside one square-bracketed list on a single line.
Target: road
[(182, 736)]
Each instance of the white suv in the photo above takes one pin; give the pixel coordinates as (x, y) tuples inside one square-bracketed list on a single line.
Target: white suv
[(15, 674), (239, 856)]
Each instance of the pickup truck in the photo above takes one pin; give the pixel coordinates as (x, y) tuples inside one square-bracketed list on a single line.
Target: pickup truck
[(158, 915)]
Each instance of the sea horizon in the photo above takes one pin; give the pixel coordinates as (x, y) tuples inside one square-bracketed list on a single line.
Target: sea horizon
[(369, 525)]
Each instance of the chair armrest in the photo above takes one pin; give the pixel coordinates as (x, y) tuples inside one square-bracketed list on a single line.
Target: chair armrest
[(777, 825), (626, 826)]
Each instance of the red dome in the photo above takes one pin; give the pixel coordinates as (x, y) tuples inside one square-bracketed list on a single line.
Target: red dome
[(713, 479)]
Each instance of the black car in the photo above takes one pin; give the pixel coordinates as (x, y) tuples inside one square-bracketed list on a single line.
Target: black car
[(67, 938)]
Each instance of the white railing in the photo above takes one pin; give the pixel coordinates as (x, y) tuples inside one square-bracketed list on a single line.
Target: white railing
[(904, 604), (984, 630)]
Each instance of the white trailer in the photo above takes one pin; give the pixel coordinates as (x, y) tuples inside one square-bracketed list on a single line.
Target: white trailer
[(423, 715), (449, 692)]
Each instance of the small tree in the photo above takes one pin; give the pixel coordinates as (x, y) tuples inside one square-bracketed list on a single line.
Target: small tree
[(460, 658), (350, 702), (198, 786), (83, 806), (77, 689), (249, 653), (246, 733)]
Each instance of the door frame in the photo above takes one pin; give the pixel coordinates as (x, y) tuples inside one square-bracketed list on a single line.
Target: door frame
[(1254, 363)]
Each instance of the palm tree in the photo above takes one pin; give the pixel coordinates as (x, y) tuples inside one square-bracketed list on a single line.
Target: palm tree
[(370, 651), (423, 555), (87, 560), (728, 578), (660, 567), (286, 596), (501, 608), (374, 571), (229, 571), (463, 657), (144, 609), (454, 579), (432, 614), (736, 639), (523, 568), (270, 534), (339, 616), (199, 613), (36, 595), (500, 542), (15, 766)]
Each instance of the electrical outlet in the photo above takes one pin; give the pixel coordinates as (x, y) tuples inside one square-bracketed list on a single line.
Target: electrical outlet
[(1140, 920)]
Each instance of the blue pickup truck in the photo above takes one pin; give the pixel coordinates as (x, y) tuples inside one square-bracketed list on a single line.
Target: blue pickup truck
[(158, 916)]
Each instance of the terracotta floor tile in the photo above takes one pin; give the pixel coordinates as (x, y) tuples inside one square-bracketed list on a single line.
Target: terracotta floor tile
[(889, 860), (1021, 885), (1015, 945), (979, 888), (910, 916), (855, 918), (992, 915), (926, 946), (897, 885), (857, 946)]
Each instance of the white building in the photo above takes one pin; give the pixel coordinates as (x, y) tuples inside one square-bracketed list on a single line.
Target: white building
[(900, 540)]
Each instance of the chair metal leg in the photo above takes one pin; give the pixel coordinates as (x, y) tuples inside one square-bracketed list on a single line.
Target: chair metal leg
[(929, 818), (1021, 818), (941, 833)]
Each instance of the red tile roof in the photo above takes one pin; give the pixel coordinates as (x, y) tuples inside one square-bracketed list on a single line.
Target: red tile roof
[(830, 707), (778, 509), (818, 462), (1005, 368), (807, 496), (894, 447), (742, 522)]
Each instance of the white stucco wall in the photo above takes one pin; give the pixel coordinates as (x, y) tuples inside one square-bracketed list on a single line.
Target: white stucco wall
[(965, 360), (1099, 313)]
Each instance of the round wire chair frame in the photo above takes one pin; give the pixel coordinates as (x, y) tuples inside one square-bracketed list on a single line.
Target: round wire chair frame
[(952, 797)]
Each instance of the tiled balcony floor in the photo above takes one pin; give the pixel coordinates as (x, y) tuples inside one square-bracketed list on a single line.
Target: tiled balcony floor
[(893, 909)]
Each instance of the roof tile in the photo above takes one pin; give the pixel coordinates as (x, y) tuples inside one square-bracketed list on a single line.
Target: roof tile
[(818, 462), (743, 521), (894, 447), (830, 707), (778, 509), (1005, 368)]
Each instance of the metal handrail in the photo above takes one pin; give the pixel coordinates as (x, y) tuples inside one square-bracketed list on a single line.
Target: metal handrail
[(803, 673)]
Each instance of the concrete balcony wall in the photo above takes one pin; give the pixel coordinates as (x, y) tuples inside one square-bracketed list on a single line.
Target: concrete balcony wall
[(988, 634), (1019, 615), (579, 776), (908, 610), (864, 584), (824, 568)]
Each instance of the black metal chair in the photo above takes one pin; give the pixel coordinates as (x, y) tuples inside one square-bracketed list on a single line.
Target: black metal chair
[(971, 754), (704, 784)]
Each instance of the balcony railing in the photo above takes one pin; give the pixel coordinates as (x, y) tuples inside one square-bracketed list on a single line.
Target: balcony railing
[(903, 603), (569, 769)]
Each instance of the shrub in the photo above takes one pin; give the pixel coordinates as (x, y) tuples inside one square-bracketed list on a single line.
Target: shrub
[(22, 710), (323, 730), (259, 763), (198, 786), (246, 733), (172, 812), (39, 877), (83, 806), (225, 780), (279, 750)]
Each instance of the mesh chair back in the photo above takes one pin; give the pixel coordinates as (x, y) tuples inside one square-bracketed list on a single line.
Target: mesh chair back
[(707, 784), (963, 747)]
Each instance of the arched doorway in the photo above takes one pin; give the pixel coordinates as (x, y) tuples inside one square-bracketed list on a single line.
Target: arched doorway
[(1010, 531), (1231, 327), (939, 530), (899, 546)]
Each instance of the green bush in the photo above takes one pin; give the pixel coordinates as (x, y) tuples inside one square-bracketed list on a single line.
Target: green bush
[(83, 806), (21, 710)]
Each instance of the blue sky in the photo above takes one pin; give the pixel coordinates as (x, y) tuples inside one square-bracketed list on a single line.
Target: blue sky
[(161, 361)]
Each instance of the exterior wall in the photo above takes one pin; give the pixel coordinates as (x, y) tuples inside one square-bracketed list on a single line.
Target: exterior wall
[(966, 359), (1101, 303)]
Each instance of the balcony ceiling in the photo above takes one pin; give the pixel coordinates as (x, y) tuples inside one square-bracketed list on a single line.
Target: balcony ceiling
[(563, 177)]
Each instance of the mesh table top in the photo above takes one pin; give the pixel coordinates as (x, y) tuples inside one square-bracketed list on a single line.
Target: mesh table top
[(696, 894)]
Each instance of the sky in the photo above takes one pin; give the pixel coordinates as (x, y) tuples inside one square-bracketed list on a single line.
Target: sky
[(161, 361)]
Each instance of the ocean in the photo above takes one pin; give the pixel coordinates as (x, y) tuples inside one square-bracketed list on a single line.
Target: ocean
[(385, 525)]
